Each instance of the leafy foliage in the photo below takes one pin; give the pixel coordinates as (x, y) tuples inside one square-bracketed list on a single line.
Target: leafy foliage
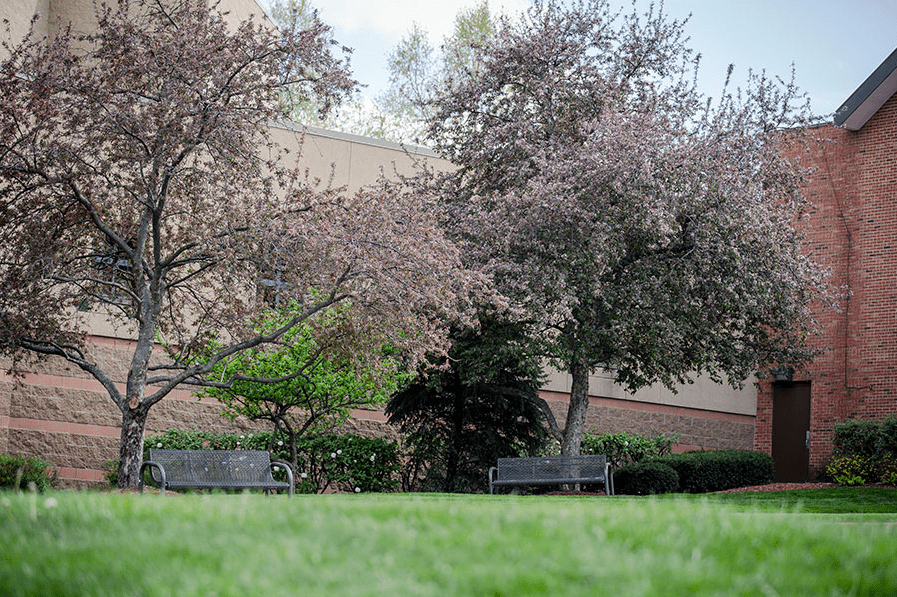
[(625, 448), (865, 451), (318, 384), (641, 228), (645, 478), (349, 463), (851, 470), (139, 182), (857, 436), (482, 406), (18, 472)]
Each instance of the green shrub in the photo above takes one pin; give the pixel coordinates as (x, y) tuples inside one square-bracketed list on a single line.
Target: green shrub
[(886, 444), (110, 472), (17, 472), (342, 462), (706, 471), (851, 470), (887, 470), (348, 463), (646, 478), (625, 448), (864, 451), (856, 437)]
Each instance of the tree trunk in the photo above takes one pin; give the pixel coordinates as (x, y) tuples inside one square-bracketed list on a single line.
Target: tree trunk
[(133, 424), (576, 411)]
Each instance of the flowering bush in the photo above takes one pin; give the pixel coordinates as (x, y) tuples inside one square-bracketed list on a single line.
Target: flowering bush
[(348, 463), (624, 448)]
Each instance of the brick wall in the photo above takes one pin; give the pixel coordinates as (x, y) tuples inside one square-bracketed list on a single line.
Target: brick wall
[(853, 232)]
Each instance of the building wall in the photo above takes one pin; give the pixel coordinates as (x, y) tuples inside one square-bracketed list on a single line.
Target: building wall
[(853, 232)]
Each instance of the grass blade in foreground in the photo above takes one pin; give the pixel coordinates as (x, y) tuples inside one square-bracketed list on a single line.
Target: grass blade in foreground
[(397, 545)]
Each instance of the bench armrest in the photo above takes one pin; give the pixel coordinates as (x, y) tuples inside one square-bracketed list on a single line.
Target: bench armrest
[(492, 471), (289, 469), (149, 463)]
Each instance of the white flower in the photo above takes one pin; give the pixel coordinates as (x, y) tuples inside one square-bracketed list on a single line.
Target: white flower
[(333, 454), (372, 457), (304, 475), (625, 443), (242, 437), (159, 445), (280, 443), (50, 503), (339, 451), (358, 490)]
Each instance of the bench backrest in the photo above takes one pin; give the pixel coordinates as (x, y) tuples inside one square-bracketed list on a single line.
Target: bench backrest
[(550, 467), (223, 467)]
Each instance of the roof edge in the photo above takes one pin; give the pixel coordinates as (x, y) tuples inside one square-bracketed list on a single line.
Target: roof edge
[(870, 96)]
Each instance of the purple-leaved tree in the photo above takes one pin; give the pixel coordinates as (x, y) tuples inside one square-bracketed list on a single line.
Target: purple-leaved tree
[(138, 180), (637, 226)]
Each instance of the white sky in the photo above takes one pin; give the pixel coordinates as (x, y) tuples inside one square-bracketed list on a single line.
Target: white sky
[(834, 44)]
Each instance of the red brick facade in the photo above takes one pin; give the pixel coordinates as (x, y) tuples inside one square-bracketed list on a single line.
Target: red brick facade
[(853, 232)]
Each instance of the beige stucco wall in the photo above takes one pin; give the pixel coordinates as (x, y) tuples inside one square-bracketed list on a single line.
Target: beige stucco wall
[(353, 161), (19, 13), (55, 14), (703, 394)]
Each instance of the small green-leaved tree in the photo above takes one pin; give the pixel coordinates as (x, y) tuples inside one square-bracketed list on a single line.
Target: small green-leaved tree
[(317, 382)]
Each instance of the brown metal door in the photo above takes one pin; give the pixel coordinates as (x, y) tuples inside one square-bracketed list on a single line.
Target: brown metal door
[(791, 431)]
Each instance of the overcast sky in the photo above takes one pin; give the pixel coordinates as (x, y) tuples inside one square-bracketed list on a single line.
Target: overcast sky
[(834, 44)]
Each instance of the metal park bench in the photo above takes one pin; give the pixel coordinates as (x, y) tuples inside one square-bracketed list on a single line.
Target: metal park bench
[(552, 470), (215, 469)]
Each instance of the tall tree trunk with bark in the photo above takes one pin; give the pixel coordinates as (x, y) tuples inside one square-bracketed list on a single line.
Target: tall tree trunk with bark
[(576, 411), (133, 425)]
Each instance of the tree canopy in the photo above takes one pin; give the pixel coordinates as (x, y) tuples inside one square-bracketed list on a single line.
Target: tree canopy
[(639, 227), (139, 180)]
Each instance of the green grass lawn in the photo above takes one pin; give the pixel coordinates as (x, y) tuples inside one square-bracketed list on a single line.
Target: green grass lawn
[(95, 544)]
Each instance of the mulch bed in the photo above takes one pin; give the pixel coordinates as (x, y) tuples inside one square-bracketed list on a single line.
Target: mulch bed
[(780, 487)]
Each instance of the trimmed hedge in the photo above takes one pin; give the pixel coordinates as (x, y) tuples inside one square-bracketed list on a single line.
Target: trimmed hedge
[(857, 437), (646, 478), (703, 472), (17, 472)]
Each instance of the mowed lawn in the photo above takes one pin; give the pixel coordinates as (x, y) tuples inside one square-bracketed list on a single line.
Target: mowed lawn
[(95, 544)]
